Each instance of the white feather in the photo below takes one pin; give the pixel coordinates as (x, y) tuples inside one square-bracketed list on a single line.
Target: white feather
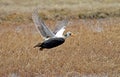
[(60, 32)]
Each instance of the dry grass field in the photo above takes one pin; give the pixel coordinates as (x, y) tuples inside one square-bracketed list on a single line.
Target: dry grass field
[(93, 51)]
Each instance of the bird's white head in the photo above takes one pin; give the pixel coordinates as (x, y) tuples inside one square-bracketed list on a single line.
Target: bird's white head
[(67, 34)]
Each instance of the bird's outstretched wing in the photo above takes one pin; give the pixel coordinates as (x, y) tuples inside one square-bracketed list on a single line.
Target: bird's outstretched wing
[(40, 25), (60, 28)]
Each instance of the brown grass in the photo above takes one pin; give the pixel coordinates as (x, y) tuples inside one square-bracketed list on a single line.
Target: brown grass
[(94, 51)]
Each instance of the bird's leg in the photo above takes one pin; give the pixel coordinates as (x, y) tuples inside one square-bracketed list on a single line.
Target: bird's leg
[(41, 49)]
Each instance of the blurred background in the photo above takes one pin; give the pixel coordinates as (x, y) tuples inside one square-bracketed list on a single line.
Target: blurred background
[(60, 8), (94, 51)]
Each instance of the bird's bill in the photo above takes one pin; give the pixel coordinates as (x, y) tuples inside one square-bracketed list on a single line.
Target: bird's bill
[(72, 34)]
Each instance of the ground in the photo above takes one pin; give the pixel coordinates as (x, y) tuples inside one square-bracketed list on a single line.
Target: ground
[(93, 51)]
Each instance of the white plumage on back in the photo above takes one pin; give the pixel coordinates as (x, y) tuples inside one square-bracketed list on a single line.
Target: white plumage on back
[(60, 32)]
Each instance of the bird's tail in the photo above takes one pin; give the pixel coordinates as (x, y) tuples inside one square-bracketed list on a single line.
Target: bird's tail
[(38, 45)]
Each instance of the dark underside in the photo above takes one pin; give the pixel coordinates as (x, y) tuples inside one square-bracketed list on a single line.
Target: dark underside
[(53, 42)]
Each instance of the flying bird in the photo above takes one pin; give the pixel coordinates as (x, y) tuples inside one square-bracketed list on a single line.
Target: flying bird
[(51, 38)]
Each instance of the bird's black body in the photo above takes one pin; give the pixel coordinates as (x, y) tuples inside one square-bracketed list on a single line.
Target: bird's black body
[(50, 43)]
